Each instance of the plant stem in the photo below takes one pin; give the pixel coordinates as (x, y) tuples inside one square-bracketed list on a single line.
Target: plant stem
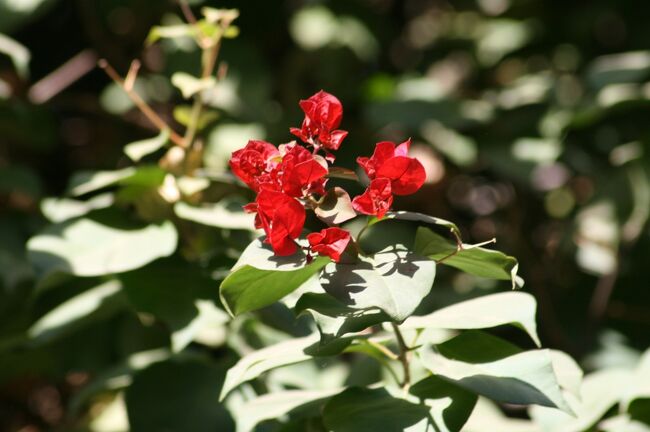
[(403, 356), (209, 61), (141, 104)]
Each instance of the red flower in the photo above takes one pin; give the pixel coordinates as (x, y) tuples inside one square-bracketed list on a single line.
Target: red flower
[(389, 161), (302, 172), (282, 219), (253, 163), (323, 114), (376, 200), (330, 242)]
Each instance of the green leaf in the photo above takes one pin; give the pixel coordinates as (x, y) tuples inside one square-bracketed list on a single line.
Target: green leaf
[(474, 260), (177, 396), (100, 246), (254, 364), (139, 149), (169, 32), (84, 182), (489, 417), (97, 302), (516, 308), (189, 85), (568, 373), (600, 391), (91, 181), (168, 290), (415, 217), (335, 207), (275, 405), (393, 280), (623, 423), (334, 319), (260, 278), (226, 214), (116, 377), (496, 370), (371, 410), (451, 405), (62, 209), (183, 115)]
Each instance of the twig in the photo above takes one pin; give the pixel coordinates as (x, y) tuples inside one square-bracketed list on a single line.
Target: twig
[(187, 12), (403, 356), (384, 350), (209, 60), (62, 77), (141, 104)]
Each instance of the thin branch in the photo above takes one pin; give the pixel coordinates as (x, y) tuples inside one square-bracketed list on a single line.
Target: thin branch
[(384, 350), (187, 12), (132, 75), (62, 77), (153, 117), (209, 60), (403, 357)]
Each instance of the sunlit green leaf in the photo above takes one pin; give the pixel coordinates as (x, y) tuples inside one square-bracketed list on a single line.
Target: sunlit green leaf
[(275, 405), (62, 209), (477, 261), (516, 308), (224, 214), (139, 149), (99, 301), (260, 278), (99, 246), (189, 85), (254, 364)]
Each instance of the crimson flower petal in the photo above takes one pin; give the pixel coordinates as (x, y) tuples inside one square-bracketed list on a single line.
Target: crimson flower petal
[(330, 242)]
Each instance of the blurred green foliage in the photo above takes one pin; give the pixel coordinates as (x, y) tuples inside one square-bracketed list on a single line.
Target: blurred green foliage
[(530, 116)]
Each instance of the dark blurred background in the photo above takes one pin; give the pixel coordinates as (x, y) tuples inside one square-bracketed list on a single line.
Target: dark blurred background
[(531, 116)]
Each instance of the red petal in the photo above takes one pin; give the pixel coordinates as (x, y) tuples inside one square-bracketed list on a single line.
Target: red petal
[(376, 200), (407, 174), (330, 242)]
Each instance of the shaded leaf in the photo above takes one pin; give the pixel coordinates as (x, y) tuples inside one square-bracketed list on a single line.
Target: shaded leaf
[(334, 319), (335, 207), (371, 410), (393, 280), (520, 378), (177, 396), (450, 405)]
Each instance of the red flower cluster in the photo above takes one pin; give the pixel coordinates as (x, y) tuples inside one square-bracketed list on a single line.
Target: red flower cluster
[(392, 172), (323, 114), (286, 178)]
